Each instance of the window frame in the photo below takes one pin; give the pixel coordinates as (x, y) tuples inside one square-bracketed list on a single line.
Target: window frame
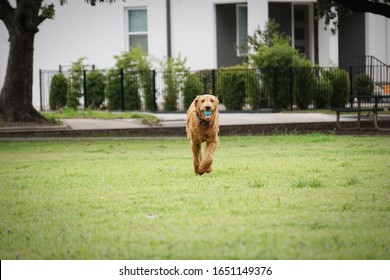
[(240, 52), (135, 33)]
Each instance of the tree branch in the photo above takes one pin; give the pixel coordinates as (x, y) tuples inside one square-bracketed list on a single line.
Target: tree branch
[(367, 6), (27, 14), (47, 12), (6, 12)]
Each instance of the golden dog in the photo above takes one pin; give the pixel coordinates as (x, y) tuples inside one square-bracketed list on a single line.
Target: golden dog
[(203, 126)]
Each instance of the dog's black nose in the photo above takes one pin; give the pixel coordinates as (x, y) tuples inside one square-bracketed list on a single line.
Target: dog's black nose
[(208, 108)]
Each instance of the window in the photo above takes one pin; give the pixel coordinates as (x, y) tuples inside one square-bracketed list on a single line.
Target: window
[(137, 28), (242, 29), (301, 29)]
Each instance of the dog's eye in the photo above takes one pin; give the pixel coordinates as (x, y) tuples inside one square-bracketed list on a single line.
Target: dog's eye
[(212, 100), (202, 100)]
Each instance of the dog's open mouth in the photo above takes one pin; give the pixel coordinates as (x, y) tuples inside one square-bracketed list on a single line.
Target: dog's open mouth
[(207, 114)]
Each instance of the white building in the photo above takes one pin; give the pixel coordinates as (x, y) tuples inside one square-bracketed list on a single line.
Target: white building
[(205, 32)]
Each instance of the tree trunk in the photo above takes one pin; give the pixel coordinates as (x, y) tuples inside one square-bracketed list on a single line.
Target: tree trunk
[(16, 94)]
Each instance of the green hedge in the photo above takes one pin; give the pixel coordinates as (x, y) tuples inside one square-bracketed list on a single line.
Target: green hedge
[(363, 85), (231, 87), (95, 89), (113, 90), (339, 79), (192, 88), (58, 91)]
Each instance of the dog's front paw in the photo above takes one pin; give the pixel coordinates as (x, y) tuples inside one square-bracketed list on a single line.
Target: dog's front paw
[(199, 171), (203, 170)]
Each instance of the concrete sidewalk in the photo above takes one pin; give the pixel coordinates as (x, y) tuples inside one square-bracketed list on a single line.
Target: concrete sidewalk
[(226, 119), (173, 124), (179, 120), (252, 118)]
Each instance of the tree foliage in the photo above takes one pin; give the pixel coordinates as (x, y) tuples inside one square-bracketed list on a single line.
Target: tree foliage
[(334, 10)]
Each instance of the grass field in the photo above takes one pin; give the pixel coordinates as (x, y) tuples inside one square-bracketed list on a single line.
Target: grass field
[(275, 197), (54, 117), (69, 113)]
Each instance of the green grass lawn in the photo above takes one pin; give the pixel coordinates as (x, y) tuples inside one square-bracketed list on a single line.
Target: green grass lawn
[(274, 197), (70, 113)]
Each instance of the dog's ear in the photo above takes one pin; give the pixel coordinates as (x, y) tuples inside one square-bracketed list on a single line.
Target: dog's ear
[(196, 100)]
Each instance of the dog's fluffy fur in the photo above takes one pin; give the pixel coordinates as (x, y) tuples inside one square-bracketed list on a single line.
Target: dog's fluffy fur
[(202, 127)]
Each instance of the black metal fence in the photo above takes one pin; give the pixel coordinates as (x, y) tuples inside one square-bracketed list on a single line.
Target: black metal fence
[(267, 89)]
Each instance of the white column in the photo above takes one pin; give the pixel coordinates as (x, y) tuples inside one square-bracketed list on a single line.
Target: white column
[(387, 41), (311, 31), (376, 36), (328, 45), (257, 15), (4, 49)]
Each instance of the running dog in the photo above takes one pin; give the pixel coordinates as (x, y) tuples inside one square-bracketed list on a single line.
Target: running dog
[(203, 126)]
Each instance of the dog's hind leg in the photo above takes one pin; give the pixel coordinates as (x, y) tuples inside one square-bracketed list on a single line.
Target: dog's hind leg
[(197, 156), (205, 165)]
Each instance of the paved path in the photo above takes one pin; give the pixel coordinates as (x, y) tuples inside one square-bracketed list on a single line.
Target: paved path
[(172, 121), (179, 119), (252, 118), (94, 124)]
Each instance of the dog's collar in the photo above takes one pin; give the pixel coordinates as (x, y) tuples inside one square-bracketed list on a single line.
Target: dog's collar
[(202, 122)]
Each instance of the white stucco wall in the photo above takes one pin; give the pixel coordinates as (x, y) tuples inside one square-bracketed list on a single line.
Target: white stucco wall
[(194, 32), (79, 30), (378, 37), (257, 15), (97, 33), (194, 28), (333, 39)]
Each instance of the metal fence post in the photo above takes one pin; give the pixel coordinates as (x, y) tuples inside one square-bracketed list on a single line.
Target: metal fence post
[(122, 92), (291, 88), (351, 83), (351, 79), (40, 88), (85, 88), (154, 91), (213, 81), (274, 88)]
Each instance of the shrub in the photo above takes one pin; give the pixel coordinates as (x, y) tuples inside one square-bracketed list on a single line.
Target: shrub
[(276, 62), (274, 54), (174, 73), (303, 84), (207, 78), (192, 87), (231, 84), (146, 84), (276, 86), (266, 38), (58, 92), (95, 89), (363, 85), (252, 88), (75, 84), (131, 95), (171, 91), (113, 90), (124, 96), (323, 92), (137, 60), (339, 80)]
